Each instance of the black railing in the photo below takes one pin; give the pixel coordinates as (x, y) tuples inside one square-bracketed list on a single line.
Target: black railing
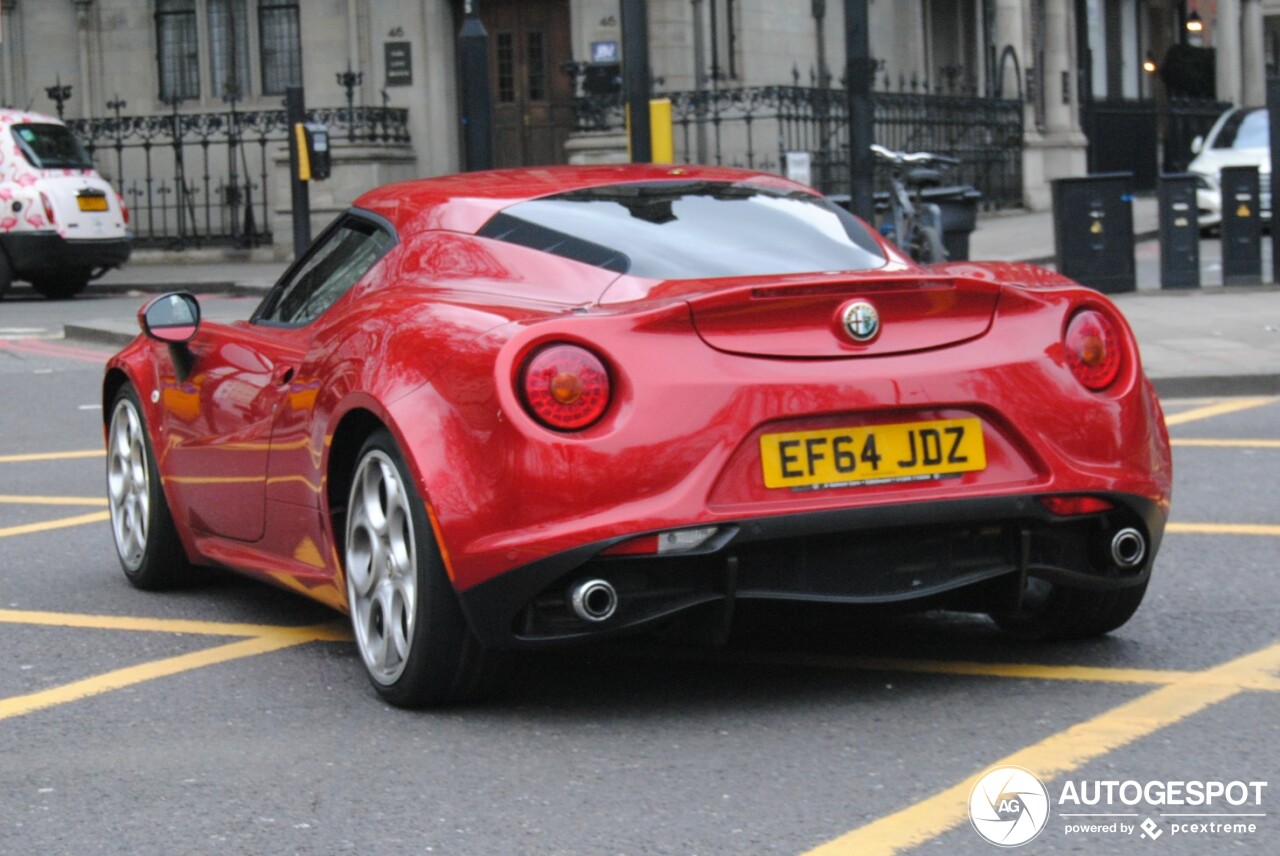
[(196, 179), (755, 128)]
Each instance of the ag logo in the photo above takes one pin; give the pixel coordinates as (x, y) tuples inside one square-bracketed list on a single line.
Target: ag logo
[(1009, 806)]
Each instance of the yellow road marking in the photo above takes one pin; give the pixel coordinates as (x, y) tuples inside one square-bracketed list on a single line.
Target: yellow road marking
[(1220, 409), (1229, 444), (52, 500), (52, 456), (120, 678), (28, 529), (334, 632), (1061, 753), (1223, 529)]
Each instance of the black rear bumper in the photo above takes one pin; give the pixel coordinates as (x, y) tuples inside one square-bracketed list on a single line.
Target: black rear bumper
[(44, 254), (940, 553)]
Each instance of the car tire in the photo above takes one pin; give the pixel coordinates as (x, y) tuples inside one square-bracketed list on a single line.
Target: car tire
[(6, 274), (1050, 612), (413, 639), (147, 542), (63, 287)]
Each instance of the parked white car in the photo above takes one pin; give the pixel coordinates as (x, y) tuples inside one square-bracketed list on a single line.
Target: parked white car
[(1240, 137), (61, 224)]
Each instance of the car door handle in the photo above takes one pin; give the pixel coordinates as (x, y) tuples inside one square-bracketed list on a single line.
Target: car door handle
[(282, 375)]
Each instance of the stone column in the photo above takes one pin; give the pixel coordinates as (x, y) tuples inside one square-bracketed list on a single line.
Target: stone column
[(1010, 32), (1226, 41), (1060, 151), (84, 30), (1253, 66)]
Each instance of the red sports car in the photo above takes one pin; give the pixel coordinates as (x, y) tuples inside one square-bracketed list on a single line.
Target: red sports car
[(532, 406)]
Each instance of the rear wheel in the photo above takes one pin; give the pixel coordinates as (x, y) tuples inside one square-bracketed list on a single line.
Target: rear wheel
[(413, 638), (62, 287), (1051, 612), (6, 274), (146, 539)]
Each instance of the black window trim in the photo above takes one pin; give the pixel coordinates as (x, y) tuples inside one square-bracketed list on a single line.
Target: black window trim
[(378, 222)]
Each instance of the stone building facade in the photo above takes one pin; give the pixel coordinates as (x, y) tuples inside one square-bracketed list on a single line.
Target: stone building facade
[(211, 58)]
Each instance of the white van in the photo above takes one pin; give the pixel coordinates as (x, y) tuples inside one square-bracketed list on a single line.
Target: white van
[(61, 224)]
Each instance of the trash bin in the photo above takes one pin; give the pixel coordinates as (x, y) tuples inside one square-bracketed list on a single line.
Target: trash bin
[(959, 204), (1179, 232), (1241, 226), (1093, 230)]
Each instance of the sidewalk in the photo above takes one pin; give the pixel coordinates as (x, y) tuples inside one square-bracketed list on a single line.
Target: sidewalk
[(1207, 341)]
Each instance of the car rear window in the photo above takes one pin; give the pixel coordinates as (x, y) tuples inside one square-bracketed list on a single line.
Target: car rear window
[(691, 230), (51, 147)]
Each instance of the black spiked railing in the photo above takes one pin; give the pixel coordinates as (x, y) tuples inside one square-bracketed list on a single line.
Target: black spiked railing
[(174, 172), (755, 126)]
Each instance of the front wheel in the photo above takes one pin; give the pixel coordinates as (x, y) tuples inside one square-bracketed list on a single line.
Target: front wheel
[(146, 539), (1052, 612), (62, 287), (412, 636)]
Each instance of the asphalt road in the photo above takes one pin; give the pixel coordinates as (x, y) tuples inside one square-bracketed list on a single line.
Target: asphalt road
[(204, 721)]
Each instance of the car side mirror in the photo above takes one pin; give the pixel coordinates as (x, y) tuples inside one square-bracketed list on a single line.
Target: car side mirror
[(1197, 144), (172, 318)]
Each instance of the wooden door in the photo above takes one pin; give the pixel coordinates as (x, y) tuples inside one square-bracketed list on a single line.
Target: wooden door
[(532, 96)]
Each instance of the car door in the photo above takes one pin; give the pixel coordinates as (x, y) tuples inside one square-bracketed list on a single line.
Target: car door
[(221, 415), (218, 415)]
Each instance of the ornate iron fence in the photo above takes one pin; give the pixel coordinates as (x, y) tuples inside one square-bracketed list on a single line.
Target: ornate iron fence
[(200, 179), (755, 127)]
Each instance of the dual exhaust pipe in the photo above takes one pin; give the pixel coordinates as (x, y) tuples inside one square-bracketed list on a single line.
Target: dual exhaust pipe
[(1128, 548), (596, 600), (593, 600)]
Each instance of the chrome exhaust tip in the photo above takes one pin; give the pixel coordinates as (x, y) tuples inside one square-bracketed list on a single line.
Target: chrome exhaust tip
[(593, 600), (1128, 548)]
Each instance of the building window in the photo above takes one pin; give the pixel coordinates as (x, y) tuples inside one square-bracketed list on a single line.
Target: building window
[(506, 52), (224, 48), (178, 49), (229, 48), (281, 46)]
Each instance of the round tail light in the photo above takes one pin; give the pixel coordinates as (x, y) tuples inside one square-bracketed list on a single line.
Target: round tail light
[(1094, 351), (565, 387)]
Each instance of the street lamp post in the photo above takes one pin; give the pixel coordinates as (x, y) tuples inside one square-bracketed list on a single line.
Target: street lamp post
[(477, 106), (349, 80), (59, 94)]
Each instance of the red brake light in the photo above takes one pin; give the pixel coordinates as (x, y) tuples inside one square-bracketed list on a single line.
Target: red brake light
[(565, 387), (1093, 349), (124, 209), (48, 210)]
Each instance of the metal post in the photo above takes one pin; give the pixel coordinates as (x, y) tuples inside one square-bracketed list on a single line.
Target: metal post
[(1273, 107), (477, 107), (858, 71), (296, 114), (59, 94), (635, 76), (349, 80)]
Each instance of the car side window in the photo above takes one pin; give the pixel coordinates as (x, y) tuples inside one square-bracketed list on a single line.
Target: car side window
[(343, 255)]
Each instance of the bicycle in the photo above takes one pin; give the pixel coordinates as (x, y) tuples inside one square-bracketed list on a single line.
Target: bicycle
[(914, 225)]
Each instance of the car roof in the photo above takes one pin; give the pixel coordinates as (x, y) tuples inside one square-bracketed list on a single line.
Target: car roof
[(26, 117), (465, 202)]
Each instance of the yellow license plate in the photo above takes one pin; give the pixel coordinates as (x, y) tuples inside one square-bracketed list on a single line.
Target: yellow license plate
[(908, 451), (92, 203)]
